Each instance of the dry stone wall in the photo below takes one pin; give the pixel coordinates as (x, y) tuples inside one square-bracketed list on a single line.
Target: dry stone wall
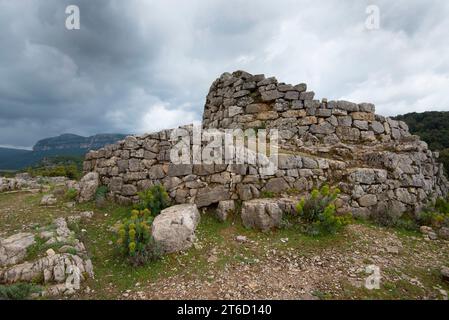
[(374, 160)]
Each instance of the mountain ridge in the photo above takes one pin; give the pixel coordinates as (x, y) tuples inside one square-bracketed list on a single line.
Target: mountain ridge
[(66, 144)]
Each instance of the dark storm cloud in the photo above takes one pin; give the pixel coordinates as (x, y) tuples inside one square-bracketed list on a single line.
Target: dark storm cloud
[(140, 66)]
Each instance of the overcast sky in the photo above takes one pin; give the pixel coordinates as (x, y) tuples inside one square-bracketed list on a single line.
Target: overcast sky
[(141, 66)]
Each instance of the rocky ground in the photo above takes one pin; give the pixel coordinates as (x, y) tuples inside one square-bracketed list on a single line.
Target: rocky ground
[(229, 261)]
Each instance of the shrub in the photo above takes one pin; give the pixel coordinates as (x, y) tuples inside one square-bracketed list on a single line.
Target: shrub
[(154, 199), (71, 194), (318, 212), (437, 215), (135, 240), (101, 192), (267, 194), (100, 196), (19, 291)]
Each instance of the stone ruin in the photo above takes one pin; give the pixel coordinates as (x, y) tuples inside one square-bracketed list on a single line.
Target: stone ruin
[(374, 160)]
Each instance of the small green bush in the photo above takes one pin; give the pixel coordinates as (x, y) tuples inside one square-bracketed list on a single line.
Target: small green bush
[(154, 199), (267, 194), (71, 194), (134, 238), (437, 215), (18, 291), (318, 212), (101, 192)]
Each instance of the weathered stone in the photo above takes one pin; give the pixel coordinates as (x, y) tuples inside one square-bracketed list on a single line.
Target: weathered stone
[(300, 87), (288, 161), (257, 107), (368, 200), (14, 249), (129, 190), (224, 209), (174, 228), (234, 110), (291, 95), (443, 233), (366, 116), (262, 214), (308, 95), (271, 95), (209, 195), (359, 124), (323, 113), (88, 186), (176, 170), (309, 163), (267, 115), (48, 200), (348, 134), (276, 185), (445, 273), (344, 121), (367, 107), (344, 105), (377, 127), (156, 172), (323, 128)]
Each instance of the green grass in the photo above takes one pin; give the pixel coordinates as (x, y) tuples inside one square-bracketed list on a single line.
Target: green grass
[(113, 274)]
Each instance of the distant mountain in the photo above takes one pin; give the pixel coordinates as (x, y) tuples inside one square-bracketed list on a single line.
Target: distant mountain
[(63, 145), (73, 141)]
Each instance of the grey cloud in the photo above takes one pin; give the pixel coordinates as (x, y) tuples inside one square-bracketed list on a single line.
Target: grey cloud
[(139, 66)]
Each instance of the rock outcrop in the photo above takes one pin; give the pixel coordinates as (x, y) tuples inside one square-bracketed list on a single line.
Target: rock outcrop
[(374, 160), (174, 228), (88, 186), (14, 249), (60, 272)]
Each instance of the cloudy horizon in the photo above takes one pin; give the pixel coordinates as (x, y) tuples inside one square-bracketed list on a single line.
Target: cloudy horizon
[(142, 66)]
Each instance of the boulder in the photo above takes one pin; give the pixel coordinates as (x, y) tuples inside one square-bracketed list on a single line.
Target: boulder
[(209, 195), (443, 233), (276, 185), (88, 186), (13, 249), (174, 228), (48, 200), (224, 208), (262, 214), (445, 273)]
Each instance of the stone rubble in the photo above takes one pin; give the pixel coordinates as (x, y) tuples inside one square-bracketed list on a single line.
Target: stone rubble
[(52, 270)]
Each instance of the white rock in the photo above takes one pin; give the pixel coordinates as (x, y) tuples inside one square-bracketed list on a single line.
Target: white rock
[(174, 228), (88, 186), (48, 200), (13, 249)]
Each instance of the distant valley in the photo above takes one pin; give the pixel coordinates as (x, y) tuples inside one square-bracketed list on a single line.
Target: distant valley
[(63, 145)]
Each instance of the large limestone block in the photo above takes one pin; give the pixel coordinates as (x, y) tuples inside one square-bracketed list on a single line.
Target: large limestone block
[(88, 186), (13, 249), (262, 214), (174, 228), (210, 195)]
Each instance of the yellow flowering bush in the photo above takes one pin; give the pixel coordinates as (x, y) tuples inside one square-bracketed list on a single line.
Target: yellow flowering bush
[(318, 212), (134, 238)]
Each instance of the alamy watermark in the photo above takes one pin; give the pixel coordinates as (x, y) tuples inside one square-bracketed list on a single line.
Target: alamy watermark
[(373, 280), (372, 21), (257, 147), (73, 280), (72, 22)]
